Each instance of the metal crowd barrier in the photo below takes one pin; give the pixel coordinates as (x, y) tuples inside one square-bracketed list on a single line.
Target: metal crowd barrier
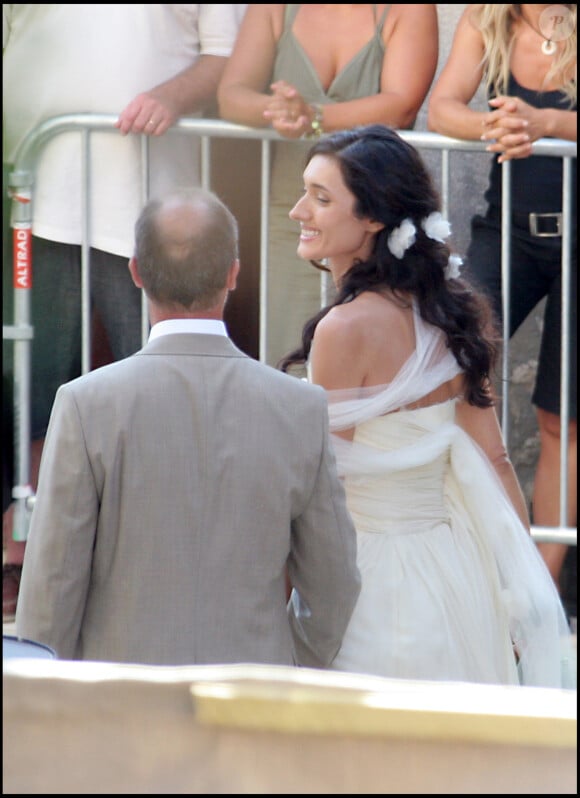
[(21, 331)]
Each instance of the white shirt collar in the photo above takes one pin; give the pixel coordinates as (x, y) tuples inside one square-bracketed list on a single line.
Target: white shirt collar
[(172, 326)]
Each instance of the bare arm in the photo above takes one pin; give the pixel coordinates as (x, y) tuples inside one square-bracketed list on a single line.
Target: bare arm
[(482, 425), (243, 91), (449, 112), (190, 90), (335, 358)]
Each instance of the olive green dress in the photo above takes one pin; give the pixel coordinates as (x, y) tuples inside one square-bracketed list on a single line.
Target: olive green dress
[(296, 290)]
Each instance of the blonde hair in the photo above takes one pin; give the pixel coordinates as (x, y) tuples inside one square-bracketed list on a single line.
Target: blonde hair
[(495, 21)]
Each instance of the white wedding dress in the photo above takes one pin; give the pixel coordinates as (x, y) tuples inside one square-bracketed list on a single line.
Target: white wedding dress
[(450, 577)]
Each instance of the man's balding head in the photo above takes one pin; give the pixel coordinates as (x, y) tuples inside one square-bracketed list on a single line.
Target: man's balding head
[(185, 246)]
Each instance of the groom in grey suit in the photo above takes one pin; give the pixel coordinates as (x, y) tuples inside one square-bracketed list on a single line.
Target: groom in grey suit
[(181, 487)]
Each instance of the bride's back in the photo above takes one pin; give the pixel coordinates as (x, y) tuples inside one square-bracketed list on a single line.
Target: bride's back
[(369, 340)]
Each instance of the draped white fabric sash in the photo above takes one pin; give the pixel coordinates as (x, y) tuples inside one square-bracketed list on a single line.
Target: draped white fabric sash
[(474, 494)]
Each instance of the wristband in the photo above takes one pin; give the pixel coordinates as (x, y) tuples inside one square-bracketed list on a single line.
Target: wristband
[(316, 129)]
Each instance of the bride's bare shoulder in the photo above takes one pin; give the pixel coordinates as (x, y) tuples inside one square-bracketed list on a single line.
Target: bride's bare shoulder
[(382, 306), (369, 315), (372, 330)]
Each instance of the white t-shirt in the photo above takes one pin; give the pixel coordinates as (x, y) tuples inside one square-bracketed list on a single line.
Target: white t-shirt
[(67, 59)]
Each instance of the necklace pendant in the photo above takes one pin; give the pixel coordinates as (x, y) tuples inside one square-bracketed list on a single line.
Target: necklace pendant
[(549, 47)]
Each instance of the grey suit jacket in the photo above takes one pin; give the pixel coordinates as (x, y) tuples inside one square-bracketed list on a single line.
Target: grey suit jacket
[(175, 487)]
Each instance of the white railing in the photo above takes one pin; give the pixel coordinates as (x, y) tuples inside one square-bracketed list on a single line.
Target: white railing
[(21, 331)]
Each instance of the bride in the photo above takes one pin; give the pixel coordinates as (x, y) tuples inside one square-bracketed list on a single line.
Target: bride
[(453, 586)]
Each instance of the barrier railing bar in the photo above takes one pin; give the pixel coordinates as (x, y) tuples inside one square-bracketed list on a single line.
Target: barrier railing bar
[(565, 334), (85, 252), (145, 193), (445, 169), (266, 159), (205, 162), (506, 237), (21, 221)]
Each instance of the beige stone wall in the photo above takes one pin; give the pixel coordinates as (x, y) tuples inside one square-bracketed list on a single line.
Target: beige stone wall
[(99, 728)]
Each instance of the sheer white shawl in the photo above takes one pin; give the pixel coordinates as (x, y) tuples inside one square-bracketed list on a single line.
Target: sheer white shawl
[(537, 621)]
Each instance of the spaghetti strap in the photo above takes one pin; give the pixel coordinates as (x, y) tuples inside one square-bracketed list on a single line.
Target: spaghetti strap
[(381, 23), (290, 14)]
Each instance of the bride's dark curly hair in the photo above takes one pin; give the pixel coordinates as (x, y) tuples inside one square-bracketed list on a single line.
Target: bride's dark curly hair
[(391, 183)]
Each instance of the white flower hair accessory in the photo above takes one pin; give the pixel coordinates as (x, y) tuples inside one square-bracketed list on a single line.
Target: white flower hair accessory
[(452, 271), (401, 238), (436, 227)]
